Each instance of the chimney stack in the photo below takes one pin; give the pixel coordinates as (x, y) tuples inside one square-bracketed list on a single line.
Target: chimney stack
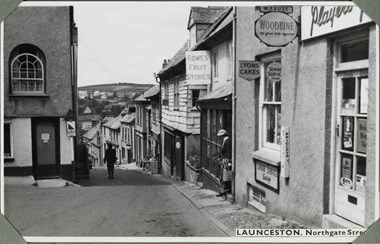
[(164, 64)]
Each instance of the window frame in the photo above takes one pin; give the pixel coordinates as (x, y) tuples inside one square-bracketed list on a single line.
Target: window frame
[(264, 104), (40, 59), (214, 66), (176, 93)]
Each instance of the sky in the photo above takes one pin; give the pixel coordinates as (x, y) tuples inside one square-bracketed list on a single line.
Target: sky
[(126, 41)]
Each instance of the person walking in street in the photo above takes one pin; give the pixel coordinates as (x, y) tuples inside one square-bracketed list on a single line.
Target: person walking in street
[(110, 158), (225, 163)]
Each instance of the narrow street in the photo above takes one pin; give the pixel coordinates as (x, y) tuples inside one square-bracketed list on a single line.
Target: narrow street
[(132, 204)]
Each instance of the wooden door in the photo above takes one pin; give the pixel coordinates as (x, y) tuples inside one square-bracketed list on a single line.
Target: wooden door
[(45, 148), (179, 157)]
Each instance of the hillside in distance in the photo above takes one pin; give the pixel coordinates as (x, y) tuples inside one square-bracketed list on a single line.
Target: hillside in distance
[(115, 87)]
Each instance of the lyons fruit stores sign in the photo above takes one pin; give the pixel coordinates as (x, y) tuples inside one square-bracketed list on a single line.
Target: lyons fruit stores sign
[(276, 29), (321, 20)]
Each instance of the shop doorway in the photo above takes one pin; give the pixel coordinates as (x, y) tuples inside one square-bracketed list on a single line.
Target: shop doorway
[(351, 145)]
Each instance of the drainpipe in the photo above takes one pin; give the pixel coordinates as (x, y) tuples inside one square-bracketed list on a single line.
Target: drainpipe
[(160, 159), (233, 183)]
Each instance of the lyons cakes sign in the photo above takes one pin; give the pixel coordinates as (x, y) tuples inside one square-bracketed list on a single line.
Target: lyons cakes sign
[(276, 29)]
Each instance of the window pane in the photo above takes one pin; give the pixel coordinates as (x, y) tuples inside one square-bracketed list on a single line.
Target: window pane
[(354, 51), (7, 140), (268, 92), (277, 91), (270, 124), (361, 136), (278, 142), (346, 171), (347, 133), (363, 97), (348, 97), (361, 174)]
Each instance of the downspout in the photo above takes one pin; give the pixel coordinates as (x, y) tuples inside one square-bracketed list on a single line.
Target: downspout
[(233, 183), (73, 54), (158, 80)]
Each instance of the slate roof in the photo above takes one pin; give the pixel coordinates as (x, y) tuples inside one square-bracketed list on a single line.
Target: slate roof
[(152, 91), (140, 98), (216, 16), (219, 92), (202, 15), (128, 118), (114, 123), (178, 57), (91, 134)]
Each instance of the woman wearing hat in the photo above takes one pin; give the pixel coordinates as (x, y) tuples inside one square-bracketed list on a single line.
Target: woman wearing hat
[(226, 165)]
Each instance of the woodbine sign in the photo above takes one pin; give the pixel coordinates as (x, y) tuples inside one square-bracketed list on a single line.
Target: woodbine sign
[(276, 29), (321, 20)]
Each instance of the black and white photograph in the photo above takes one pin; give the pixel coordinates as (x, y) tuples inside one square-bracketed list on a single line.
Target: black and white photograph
[(189, 121)]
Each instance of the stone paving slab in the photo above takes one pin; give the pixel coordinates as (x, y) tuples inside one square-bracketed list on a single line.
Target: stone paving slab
[(228, 216), (19, 180)]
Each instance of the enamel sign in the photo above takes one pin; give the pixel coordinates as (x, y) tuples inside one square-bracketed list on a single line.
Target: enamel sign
[(321, 20), (276, 29), (249, 70), (267, 174)]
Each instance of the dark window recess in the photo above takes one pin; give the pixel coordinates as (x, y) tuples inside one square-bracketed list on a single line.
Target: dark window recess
[(7, 140), (195, 97), (352, 200), (354, 51), (168, 145)]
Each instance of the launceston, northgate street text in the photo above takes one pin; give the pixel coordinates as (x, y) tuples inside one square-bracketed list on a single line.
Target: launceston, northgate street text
[(298, 232)]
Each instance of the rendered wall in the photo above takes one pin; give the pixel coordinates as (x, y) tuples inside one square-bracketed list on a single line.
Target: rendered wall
[(303, 109), (48, 28)]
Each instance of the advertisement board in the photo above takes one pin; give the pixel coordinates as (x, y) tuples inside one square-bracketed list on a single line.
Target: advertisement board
[(198, 67)]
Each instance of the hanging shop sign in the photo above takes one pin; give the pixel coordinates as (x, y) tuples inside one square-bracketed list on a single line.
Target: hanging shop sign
[(249, 70), (284, 9), (198, 67), (70, 128), (267, 174), (285, 151), (276, 29), (321, 20), (273, 71)]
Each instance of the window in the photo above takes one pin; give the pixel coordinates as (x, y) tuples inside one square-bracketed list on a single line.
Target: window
[(271, 105), (194, 97), (229, 60), (354, 51), (27, 70), (8, 147), (169, 141), (214, 66), (176, 93)]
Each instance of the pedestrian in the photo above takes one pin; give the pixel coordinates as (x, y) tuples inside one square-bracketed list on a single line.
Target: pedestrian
[(110, 158), (225, 163)]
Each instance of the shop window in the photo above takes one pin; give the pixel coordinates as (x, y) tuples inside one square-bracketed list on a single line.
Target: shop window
[(214, 67), (271, 105), (168, 140), (8, 147), (176, 94), (27, 70)]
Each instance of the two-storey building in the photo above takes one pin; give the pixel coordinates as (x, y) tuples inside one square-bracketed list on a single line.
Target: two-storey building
[(140, 135), (111, 135), (40, 89), (153, 124), (127, 139)]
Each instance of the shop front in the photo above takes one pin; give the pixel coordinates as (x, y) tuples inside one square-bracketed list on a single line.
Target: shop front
[(310, 118)]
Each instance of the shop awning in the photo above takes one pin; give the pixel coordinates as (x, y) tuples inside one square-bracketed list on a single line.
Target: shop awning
[(219, 93)]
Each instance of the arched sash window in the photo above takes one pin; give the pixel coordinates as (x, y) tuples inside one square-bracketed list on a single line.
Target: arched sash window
[(27, 70)]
